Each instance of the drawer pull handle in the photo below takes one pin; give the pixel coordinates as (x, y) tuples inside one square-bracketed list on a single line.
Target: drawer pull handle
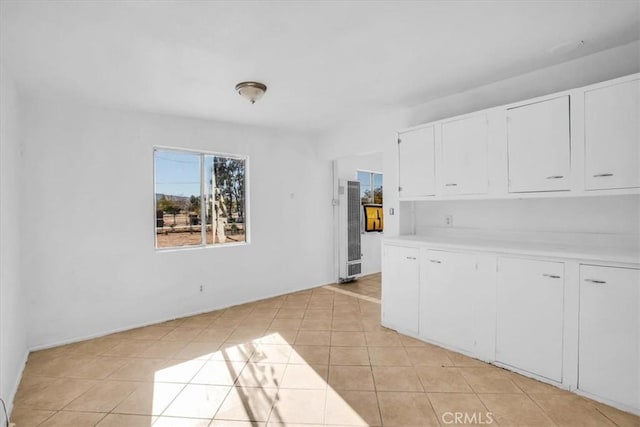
[(411, 257), (555, 177), (451, 184), (551, 276), (435, 261), (600, 175), (599, 282)]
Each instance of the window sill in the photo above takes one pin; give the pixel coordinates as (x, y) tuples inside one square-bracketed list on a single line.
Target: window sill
[(198, 247)]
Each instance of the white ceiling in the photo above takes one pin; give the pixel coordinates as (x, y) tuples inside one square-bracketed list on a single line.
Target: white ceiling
[(324, 62)]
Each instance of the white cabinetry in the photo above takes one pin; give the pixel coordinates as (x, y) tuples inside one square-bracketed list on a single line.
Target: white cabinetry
[(417, 162), (457, 302), (529, 320), (400, 288), (463, 164), (527, 307), (609, 365), (612, 137), (580, 142), (539, 146)]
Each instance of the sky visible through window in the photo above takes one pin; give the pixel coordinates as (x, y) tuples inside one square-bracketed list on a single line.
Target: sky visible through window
[(177, 173)]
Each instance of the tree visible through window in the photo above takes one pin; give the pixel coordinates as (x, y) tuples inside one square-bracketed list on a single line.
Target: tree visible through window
[(200, 198), (370, 187)]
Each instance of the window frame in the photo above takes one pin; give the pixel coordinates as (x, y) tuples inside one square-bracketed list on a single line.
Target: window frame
[(371, 178), (203, 230), (371, 174)]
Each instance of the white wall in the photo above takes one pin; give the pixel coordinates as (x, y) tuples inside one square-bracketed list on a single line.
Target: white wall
[(347, 168), (378, 133), (371, 134), (13, 329), (91, 264), (611, 215), (604, 65)]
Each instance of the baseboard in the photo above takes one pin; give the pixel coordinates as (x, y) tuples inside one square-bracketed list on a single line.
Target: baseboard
[(156, 321), (14, 391), (617, 405)]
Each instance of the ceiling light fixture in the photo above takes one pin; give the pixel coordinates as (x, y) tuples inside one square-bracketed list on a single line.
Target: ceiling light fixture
[(251, 90)]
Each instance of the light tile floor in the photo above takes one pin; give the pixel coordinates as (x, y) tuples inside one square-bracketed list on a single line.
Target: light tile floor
[(312, 358)]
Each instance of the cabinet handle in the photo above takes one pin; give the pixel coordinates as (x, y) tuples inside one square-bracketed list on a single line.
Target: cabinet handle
[(551, 276), (411, 257), (599, 282), (436, 261), (600, 175), (451, 184), (555, 177)]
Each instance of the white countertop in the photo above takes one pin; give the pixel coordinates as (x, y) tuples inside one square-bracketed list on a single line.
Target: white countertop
[(578, 246)]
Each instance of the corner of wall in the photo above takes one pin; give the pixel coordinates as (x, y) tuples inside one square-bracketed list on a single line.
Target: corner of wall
[(13, 329)]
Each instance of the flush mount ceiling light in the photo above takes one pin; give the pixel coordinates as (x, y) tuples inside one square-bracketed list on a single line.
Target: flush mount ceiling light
[(251, 90)]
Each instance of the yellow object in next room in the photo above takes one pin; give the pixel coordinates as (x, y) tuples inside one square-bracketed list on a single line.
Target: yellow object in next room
[(373, 218)]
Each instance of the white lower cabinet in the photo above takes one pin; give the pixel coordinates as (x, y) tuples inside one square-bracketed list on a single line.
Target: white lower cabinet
[(529, 319), (456, 302), (609, 343), (535, 316), (400, 288)]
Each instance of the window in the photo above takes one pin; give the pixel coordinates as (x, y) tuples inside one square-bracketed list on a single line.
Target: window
[(371, 199), (200, 198), (370, 187)]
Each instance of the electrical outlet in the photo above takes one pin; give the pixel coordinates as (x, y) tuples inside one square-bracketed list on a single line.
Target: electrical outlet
[(201, 288), (448, 220)]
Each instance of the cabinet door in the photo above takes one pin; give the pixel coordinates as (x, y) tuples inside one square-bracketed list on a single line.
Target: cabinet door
[(539, 146), (448, 300), (529, 318), (400, 288), (464, 156), (417, 163), (612, 137), (609, 360)]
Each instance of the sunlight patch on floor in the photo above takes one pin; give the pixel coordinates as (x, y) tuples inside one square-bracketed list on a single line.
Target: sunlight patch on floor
[(251, 383)]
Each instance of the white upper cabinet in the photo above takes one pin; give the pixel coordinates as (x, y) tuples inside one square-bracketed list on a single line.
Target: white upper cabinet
[(417, 163), (463, 161), (569, 144), (612, 137), (539, 146)]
